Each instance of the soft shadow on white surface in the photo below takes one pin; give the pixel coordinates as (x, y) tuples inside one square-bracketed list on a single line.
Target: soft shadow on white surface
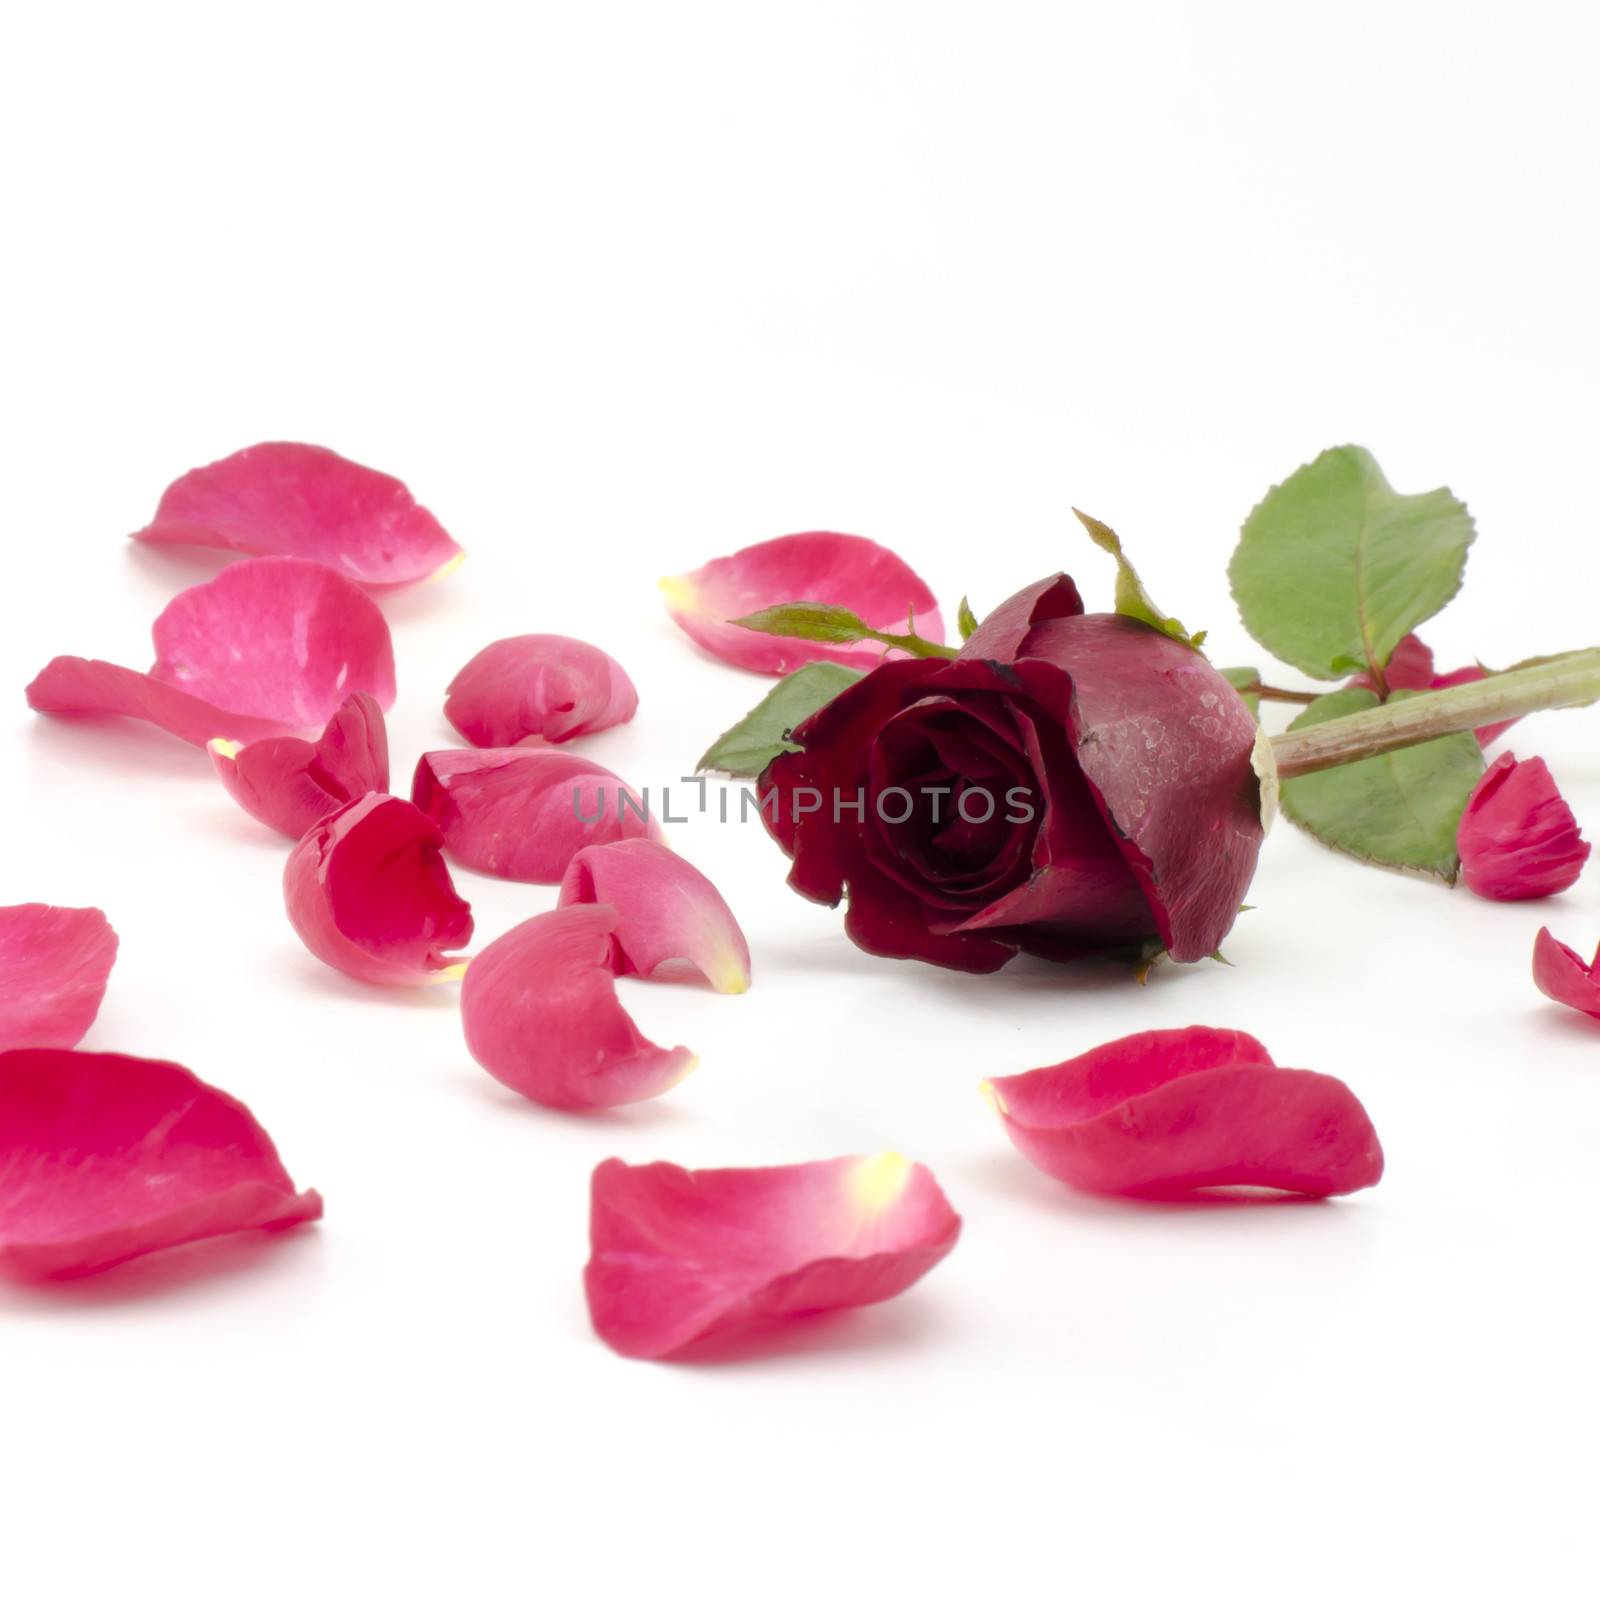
[(198, 1272)]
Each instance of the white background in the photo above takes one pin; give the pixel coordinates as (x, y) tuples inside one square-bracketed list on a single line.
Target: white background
[(618, 288)]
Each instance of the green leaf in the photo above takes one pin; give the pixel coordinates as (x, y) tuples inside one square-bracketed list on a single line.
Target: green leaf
[(746, 748), (1132, 598), (1248, 682), (1334, 569), (965, 620), (825, 624), (1399, 809)]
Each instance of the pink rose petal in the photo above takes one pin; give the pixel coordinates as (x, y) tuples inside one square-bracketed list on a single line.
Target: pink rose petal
[(73, 686), (290, 783), (54, 963), (840, 569), (302, 500), (538, 686), (106, 1157), (278, 638), (541, 1014), (524, 813), (1178, 1109), (266, 647), (678, 1255), (368, 892), (1518, 839), (1561, 973), (667, 911)]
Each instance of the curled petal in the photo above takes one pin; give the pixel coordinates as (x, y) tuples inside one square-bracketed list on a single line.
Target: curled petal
[(540, 1012), (666, 911), (290, 783), (538, 686), (72, 686), (1560, 973), (54, 963), (279, 638), (107, 1157), (1178, 1109), (524, 813), (840, 569), (1518, 839), (999, 636), (677, 1255), (302, 500), (1167, 745), (368, 892)]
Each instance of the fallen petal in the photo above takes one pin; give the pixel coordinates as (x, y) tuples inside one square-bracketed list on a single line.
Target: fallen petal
[(524, 813), (302, 500), (540, 1012), (840, 569), (267, 647), (538, 686), (72, 686), (667, 911), (676, 1255), (54, 963), (1518, 839), (106, 1157), (368, 892), (290, 783), (1179, 1109), (1561, 973), (278, 638)]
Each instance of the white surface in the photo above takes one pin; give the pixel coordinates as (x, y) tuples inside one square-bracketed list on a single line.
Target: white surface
[(620, 288)]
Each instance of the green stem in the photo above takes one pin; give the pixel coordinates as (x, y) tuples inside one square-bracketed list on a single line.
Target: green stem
[(1567, 680)]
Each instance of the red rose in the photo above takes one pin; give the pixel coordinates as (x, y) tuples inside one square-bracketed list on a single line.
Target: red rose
[(1069, 784)]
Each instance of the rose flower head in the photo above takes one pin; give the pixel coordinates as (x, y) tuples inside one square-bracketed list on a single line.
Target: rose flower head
[(1069, 784)]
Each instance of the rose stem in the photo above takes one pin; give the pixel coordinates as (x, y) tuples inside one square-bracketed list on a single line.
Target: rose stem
[(1567, 680)]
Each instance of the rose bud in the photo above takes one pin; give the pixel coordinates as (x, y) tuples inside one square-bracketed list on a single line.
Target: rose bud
[(1518, 839), (1069, 784)]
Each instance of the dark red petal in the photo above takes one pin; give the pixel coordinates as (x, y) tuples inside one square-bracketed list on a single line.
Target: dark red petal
[(71, 686), (999, 636), (1166, 743), (885, 919), (540, 1011), (278, 638), (1179, 1109), (290, 783), (797, 790), (538, 686), (678, 1255), (1518, 839), (1561, 974), (524, 813), (302, 500), (1081, 894), (841, 569), (107, 1157), (54, 963), (667, 911), (368, 892)]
